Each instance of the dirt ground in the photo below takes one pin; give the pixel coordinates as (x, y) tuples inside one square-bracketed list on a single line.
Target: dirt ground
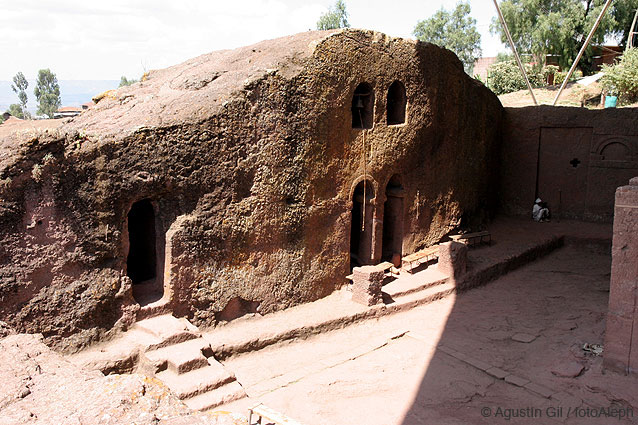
[(397, 370), (573, 95)]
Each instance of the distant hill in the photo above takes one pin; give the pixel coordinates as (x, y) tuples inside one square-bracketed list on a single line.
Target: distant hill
[(73, 92)]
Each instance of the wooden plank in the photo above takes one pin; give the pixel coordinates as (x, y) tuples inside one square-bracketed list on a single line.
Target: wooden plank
[(474, 235), (419, 255), (473, 238), (414, 257)]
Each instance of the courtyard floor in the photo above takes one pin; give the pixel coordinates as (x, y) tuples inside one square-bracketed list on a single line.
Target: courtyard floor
[(508, 352)]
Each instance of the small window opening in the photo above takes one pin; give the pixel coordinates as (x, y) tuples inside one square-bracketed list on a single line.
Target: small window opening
[(363, 106), (396, 104)]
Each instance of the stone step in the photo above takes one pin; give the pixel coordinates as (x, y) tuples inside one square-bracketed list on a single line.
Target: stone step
[(180, 358), (198, 381), (401, 289), (211, 399), (423, 296), (167, 329)]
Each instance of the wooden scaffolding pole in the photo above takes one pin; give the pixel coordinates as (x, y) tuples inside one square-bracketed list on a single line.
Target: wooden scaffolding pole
[(582, 50), (518, 59)]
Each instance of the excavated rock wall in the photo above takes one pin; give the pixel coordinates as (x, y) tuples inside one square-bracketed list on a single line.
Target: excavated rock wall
[(250, 161), (572, 158)]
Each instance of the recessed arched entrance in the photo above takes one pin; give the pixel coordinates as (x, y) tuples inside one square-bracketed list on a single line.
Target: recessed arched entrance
[(142, 260), (392, 244), (361, 228)]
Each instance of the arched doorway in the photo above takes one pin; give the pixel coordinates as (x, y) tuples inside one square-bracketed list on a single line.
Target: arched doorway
[(361, 224), (142, 260), (392, 244)]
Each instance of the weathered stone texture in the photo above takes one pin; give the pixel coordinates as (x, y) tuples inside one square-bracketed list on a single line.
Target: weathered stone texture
[(366, 285), (452, 258), (621, 337), (572, 158), (250, 159)]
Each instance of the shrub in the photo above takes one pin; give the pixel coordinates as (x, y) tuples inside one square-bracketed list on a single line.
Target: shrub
[(621, 79), (559, 77), (550, 70), (505, 77)]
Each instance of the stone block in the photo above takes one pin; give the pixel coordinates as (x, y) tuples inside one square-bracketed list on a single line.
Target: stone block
[(516, 380), (496, 372), (479, 364), (452, 258), (617, 343), (539, 389), (633, 354), (366, 285), (621, 347)]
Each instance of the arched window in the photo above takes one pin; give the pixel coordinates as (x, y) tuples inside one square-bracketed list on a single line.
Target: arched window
[(363, 106), (396, 103)]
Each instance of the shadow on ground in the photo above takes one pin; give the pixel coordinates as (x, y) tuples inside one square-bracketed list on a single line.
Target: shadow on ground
[(512, 352)]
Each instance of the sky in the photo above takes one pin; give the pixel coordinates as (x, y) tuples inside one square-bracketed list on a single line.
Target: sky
[(103, 40)]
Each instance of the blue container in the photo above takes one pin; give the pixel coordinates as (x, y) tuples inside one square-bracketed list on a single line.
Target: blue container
[(610, 101)]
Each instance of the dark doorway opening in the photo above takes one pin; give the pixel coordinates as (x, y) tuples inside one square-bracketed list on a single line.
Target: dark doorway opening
[(141, 263), (361, 225), (363, 106), (392, 245), (396, 104)]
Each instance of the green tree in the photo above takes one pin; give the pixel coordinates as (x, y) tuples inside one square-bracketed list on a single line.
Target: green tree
[(454, 30), (335, 17), (623, 13), (505, 57), (16, 110), (19, 86), (47, 92), (126, 82), (560, 27)]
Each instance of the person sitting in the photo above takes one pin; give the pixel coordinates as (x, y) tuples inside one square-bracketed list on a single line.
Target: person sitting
[(540, 212)]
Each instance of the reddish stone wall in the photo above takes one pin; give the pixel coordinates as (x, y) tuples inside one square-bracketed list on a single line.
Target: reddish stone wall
[(251, 161), (573, 158), (621, 336)]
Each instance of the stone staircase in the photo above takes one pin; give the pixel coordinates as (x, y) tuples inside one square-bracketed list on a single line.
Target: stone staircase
[(184, 362)]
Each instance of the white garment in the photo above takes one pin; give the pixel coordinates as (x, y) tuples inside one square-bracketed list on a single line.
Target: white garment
[(539, 213)]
